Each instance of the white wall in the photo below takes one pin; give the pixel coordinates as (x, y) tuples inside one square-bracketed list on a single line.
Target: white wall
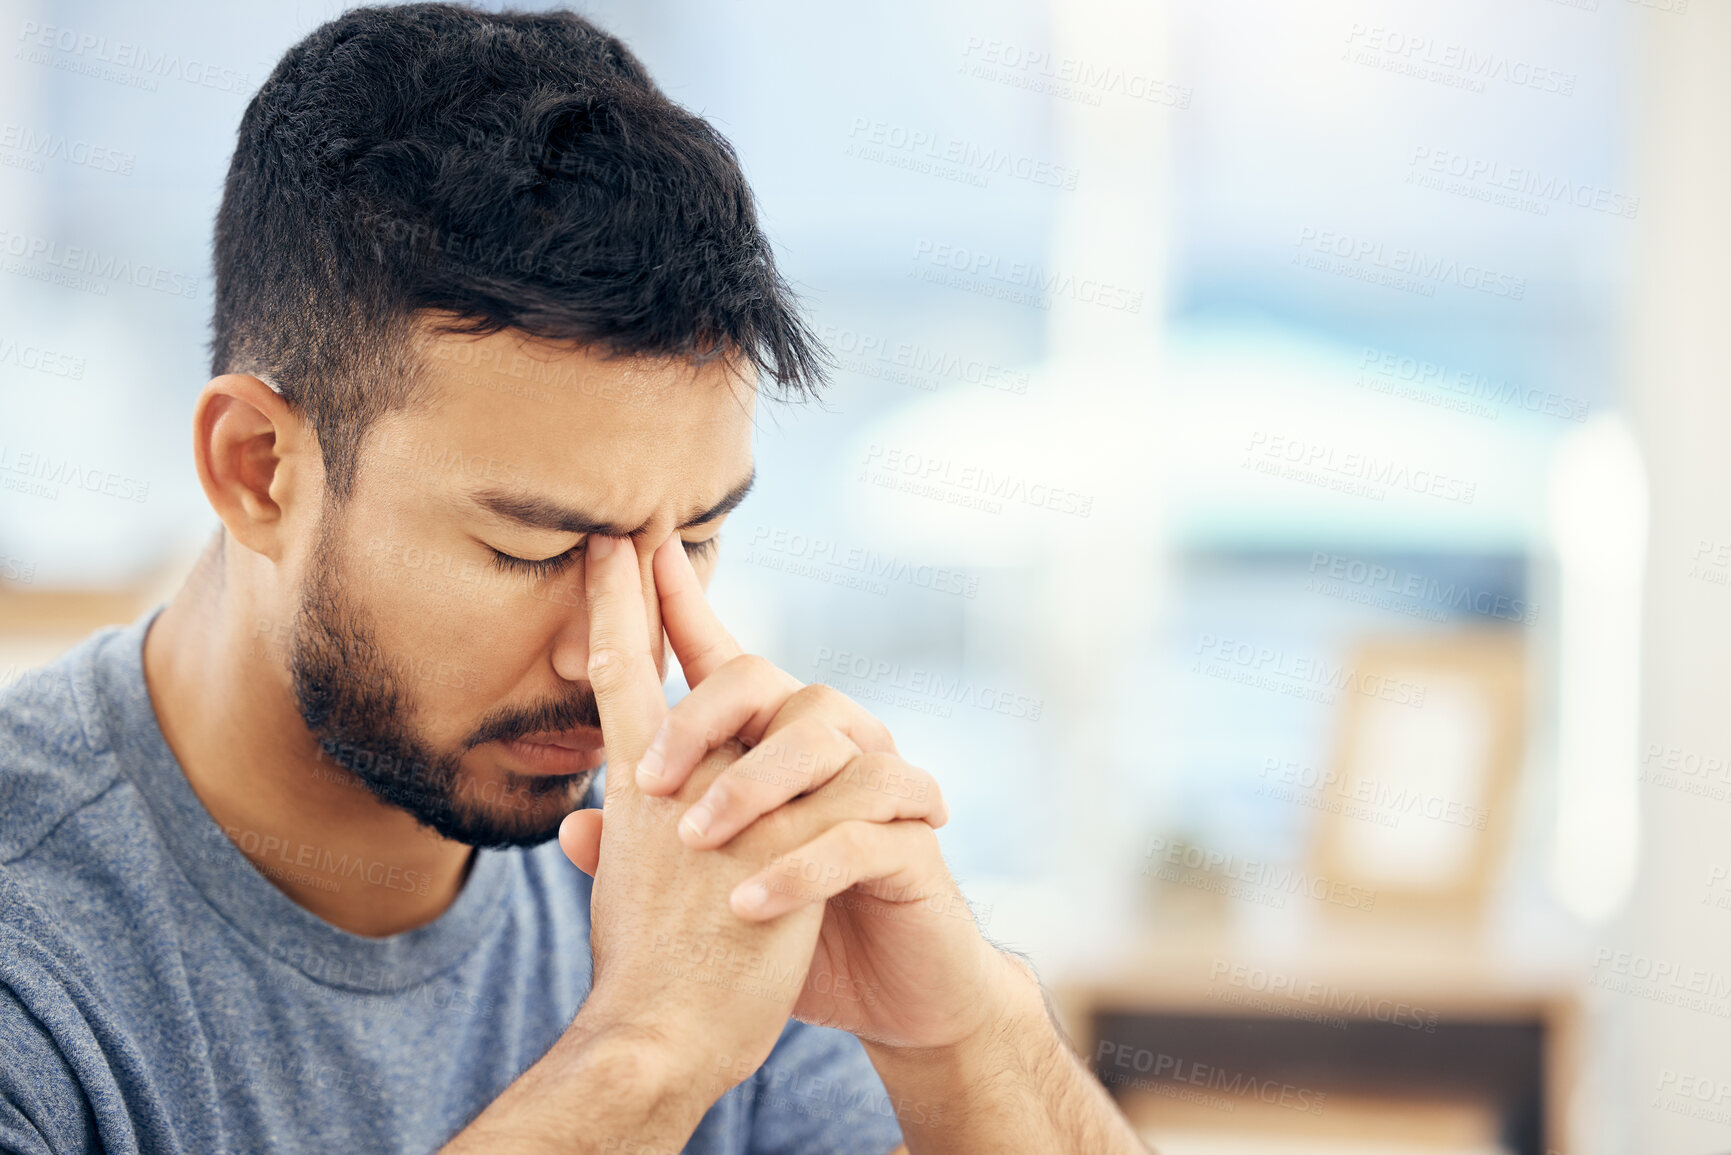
[(1678, 380)]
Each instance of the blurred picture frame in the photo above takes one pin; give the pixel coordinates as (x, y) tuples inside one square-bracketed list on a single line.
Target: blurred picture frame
[(1420, 792)]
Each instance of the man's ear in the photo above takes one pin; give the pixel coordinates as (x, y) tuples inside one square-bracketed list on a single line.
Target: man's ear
[(255, 459)]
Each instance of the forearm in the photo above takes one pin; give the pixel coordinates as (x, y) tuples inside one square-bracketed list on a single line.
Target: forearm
[(1017, 1087), (594, 1090)]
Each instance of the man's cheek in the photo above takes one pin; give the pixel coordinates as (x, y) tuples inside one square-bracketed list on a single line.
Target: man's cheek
[(566, 594)]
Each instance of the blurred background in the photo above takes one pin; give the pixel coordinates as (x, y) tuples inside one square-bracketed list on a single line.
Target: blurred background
[(1274, 476)]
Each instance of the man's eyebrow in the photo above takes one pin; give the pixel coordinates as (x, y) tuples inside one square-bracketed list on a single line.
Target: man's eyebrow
[(544, 513)]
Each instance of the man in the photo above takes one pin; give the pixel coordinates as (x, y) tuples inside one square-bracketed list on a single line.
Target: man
[(279, 868)]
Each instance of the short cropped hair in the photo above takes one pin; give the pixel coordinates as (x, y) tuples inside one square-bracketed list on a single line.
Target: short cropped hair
[(476, 171)]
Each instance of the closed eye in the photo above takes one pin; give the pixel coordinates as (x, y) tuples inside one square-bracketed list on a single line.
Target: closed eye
[(537, 567), (548, 566)]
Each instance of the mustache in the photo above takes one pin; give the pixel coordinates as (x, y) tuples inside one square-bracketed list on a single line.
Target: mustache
[(577, 709)]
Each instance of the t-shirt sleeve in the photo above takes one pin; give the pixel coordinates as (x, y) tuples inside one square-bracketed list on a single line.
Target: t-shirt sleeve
[(817, 1091), (41, 1111)]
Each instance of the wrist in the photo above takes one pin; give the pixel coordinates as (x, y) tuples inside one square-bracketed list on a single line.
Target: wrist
[(602, 1080), (674, 1060), (1013, 1030), (649, 1062), (1012, 1084)]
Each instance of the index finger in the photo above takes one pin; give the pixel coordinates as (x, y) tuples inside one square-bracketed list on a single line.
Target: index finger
[(700, 642), (621, 668)]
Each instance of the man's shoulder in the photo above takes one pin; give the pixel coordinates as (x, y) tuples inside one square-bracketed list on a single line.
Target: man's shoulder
[(54, 763), (52, 746)]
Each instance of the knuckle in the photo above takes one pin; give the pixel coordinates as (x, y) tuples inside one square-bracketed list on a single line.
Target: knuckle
[(852, 838), (681, 730), (713, 735), (924, 834), (766, 674), (876, 726), (922, 786), (881, 806), (612, 638), (780, 827), (863, 776), (711, 767), (813, 731), (721, 643), (877, 762), (815, 738), (742, 788), (790, 753), (767, 762), (788, 829), (819, 696), (607, 668), (878, 774), (749, 667)]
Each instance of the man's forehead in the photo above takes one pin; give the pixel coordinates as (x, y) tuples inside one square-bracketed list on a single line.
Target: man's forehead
[(531, 433), (522, 362)]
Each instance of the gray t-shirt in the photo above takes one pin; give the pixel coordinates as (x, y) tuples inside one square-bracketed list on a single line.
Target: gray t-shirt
[(159, 994)]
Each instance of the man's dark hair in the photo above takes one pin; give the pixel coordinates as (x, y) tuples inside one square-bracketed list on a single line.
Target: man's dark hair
[(501, 170)]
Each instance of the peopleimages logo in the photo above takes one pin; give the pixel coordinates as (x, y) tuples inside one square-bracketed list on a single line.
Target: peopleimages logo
[(1372, 578), (1379, 368), (1297, 675), (1326, 997), (922, 690), (965, 483), (1693, 1096), (1265, 883), (41, 360), (1017, 281), (817, 551), (1482, 176), (1661, 980), (76, 259), (910, 363), (1368, 798), (84, 50), (33, 148), (1457, 65), (41, 475), (919, 149), (322, 861), (1356, 472), (1403, 264), (1065, 77), (1161, 1066)]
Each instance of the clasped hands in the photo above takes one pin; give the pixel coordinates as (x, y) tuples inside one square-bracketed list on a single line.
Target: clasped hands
[(767, 820)]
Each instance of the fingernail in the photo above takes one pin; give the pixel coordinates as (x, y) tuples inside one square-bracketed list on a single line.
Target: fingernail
[(600, 545), (753, 897), (650, 767), (697, 819)]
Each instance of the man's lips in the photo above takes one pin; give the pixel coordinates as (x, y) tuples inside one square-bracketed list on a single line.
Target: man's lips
[(565, 752), (585, 738)]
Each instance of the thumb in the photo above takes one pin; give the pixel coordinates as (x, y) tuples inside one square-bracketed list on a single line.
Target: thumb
[(580, 839)]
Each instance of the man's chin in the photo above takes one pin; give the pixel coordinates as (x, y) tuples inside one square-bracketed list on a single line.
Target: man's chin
[(522, 810)]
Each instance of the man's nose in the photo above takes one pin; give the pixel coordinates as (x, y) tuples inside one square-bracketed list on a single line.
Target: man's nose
[(571, 647)]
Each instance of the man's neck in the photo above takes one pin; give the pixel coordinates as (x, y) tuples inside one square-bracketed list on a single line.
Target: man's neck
[(218, 678)]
